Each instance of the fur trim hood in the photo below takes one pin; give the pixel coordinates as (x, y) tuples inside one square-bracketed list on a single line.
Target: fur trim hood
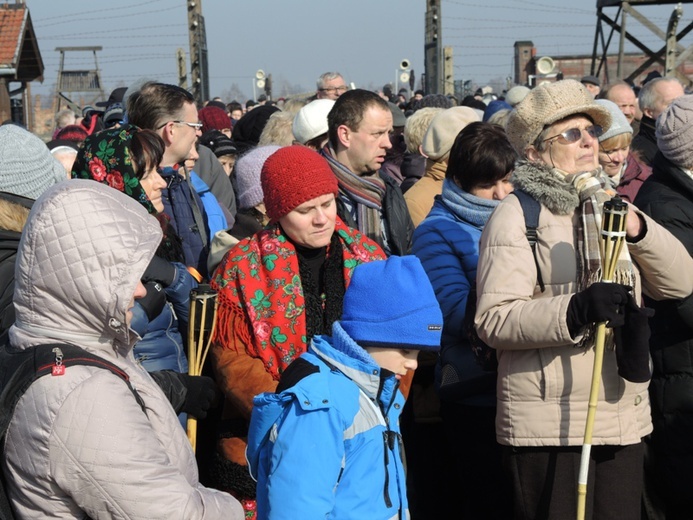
[(547, 185)]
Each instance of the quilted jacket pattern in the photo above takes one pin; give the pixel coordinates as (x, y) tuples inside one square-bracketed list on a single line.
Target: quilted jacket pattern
[(79, 444)]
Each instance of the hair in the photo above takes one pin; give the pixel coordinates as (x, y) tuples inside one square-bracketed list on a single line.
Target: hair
[(147, 151), (647, 98), (293, 105), (604, 92), (234, 105), (156, 103), (616, 142), (64, 118), (500, 118), (349, 109), (481, 155), (327, 76), (416, 127), (277, 130)]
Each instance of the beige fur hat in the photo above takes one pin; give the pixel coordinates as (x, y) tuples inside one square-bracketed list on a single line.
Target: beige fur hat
[(443, 130), (547, 104)]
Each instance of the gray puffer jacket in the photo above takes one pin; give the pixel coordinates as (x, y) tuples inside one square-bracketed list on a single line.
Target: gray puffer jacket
[(79, 444)]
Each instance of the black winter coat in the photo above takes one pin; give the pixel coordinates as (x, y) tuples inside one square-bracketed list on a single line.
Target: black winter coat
[(667, 196)]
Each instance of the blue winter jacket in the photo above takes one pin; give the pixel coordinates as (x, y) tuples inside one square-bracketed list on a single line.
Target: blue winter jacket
[(162, 343), (447, 243), (329, 447), (178, 198)]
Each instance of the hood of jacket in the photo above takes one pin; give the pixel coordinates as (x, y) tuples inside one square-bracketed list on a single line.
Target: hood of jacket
[(84, 248), (547, 185)]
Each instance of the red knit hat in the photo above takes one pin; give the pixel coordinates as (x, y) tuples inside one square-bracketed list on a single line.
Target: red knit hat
[(293, 175), (213, 118)]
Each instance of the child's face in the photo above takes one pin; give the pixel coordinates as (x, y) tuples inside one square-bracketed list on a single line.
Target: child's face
[(227, 162), (395, 360)]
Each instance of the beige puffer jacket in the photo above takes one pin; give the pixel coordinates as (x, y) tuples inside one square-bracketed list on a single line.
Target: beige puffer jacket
[(79, 444), (543, 379)]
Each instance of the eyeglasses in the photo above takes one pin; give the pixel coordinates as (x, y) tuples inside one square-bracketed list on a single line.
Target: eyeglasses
[(343, 88), (575, 134), (196, 126)]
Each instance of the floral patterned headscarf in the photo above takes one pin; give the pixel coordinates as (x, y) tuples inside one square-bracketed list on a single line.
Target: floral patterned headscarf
[(105, 157)]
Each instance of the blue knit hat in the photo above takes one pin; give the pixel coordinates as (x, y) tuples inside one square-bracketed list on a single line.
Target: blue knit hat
[(390, 303)]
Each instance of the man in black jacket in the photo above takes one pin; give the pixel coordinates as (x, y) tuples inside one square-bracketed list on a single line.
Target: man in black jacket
[(359, 127), (654, 98), (667, 196)]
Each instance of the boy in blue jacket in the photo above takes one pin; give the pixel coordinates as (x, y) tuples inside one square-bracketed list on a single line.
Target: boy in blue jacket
[(327, 444)]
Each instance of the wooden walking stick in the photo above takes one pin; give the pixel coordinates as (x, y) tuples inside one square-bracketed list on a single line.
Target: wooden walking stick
[(611, 242), (203, 319)]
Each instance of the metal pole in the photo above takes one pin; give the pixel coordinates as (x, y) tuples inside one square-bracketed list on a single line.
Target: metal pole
[(621, 45)]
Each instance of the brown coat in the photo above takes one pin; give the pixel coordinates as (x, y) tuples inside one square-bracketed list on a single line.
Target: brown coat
[(420, 196)]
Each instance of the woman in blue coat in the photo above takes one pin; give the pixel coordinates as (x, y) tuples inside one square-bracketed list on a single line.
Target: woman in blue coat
[(447, 243)]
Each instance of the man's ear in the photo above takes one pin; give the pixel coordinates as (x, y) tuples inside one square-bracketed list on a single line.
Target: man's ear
[(166, 133), (344, 135), (647, 112), (421, 152)]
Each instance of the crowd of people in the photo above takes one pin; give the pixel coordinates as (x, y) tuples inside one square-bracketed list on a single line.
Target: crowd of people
[(407, 288)]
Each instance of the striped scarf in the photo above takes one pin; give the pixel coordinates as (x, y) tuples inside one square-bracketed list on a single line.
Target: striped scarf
[(367, 194), (590, 188)]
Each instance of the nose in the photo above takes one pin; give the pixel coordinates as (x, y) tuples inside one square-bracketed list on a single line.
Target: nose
[(386, 142), (159, 181), (140, 291), (193, 155), (411, 364), (320, 217), (502, 191)]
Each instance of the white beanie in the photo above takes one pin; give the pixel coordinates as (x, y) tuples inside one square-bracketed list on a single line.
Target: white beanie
[(443, 130), (311, 121), (27, 167), (619, 123)]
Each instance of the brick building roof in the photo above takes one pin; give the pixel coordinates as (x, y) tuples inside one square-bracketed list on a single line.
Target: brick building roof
[(18, 46)]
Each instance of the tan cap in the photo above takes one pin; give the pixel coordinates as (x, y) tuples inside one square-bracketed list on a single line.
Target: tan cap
[(443, 130), (548, 103)]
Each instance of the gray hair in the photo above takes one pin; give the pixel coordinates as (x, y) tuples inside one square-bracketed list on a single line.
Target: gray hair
[(327, 76), (647, 99), (64, 118)]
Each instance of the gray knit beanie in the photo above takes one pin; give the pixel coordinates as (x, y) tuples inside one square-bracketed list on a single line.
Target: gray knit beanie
[(27, 167), (247, 172), (675, 132), (619, 123)]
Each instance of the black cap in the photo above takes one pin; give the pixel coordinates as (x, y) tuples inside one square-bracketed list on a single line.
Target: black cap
[(592, 80), (115, 97)]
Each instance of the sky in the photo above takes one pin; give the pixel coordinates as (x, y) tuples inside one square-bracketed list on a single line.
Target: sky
[(297, 40)]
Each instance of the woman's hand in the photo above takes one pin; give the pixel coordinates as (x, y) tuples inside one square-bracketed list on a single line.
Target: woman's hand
[(635, 226)]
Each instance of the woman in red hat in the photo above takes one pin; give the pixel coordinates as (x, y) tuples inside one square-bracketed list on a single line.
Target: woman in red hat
[(278, 289)]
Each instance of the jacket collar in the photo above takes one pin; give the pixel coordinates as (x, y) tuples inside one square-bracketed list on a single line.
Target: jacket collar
[(546, 185)]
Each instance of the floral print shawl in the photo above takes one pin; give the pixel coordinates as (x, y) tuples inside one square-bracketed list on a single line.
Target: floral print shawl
[(259, 280)]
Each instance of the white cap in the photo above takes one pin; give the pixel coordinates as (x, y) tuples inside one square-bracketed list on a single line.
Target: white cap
[(311, 120)]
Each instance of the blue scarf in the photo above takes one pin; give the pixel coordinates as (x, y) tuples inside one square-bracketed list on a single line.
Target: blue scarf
[(467, 207)]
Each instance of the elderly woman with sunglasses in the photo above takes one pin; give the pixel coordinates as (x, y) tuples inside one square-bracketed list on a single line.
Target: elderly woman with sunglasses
[(537, 309)]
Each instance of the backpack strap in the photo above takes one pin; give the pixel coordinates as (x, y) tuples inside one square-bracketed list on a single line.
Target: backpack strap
[(531, 209), (19, 369)]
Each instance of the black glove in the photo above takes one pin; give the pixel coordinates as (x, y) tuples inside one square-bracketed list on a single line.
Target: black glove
[(601, 301), (633, 343), (160, 270), (154, 301), (202, 395)]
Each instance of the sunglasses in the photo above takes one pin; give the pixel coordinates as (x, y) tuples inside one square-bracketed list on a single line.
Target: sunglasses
[(573, 135)]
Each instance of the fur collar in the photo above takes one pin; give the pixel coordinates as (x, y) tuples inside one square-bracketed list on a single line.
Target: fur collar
[(12, 216), (546, 185)]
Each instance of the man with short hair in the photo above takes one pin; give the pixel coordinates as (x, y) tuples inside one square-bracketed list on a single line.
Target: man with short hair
[(591, 83), (622, 94), (330, 85), (654, 98), (170, 111), (359, 127)]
